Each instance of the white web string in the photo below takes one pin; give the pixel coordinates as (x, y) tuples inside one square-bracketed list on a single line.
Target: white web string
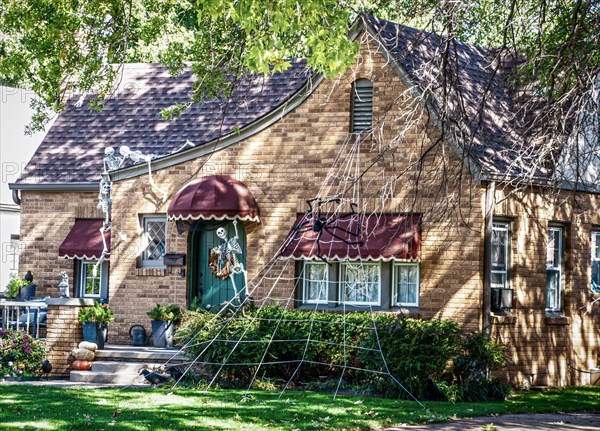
[(343, 176)]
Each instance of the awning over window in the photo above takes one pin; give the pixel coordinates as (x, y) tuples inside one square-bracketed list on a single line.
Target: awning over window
[(381, 237), (84, 241), (215, 197)]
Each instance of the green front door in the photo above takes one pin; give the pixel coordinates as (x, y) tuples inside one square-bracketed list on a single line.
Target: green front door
[(205, 289)]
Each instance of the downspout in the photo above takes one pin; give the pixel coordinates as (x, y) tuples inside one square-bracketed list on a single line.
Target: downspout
[(16, 197), (490, 202)]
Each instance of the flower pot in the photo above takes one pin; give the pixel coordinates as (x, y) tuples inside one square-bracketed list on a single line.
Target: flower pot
[(27, 292), (162, 332), (95, 333)]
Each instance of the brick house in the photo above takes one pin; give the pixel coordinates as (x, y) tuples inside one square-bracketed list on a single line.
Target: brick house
[(440, 231)]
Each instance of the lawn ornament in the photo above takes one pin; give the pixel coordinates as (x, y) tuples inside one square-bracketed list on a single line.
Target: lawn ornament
[(63, 286), (317, 220), (138, 336), (154, 378)]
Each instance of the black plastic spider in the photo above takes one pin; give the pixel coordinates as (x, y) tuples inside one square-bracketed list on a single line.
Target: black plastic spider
[(320, 222)]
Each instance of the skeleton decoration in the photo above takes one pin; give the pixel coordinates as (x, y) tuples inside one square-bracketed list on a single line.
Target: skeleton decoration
[(111, 163), (223, 259)]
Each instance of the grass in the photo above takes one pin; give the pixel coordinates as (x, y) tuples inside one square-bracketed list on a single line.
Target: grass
[(52, 408)]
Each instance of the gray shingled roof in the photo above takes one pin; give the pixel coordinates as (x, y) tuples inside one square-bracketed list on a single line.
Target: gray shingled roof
[(492, 136), (73, 148)]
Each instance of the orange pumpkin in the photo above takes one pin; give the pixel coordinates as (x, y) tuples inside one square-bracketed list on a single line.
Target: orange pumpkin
[(80, 365)]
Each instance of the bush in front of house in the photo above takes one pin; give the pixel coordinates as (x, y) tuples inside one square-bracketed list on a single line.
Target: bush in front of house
[(21, 355), (312, 347), (470, 378)]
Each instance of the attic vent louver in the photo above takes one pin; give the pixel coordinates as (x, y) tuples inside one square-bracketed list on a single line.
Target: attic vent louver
[(362, 106)]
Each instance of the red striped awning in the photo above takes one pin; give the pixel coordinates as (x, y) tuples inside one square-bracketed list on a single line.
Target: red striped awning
[(379, 237), (215, 197), (84, 240)]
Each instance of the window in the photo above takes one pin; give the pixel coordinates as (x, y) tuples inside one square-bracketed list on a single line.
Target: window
[(596, 261), (406, 276), (362, 106), (500, 255), (92, 281), (154, 241), (13, 252), (316, 279), (554, 264), (360, 283)]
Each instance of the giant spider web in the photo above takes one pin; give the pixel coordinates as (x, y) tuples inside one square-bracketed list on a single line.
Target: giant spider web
[(334, 210)]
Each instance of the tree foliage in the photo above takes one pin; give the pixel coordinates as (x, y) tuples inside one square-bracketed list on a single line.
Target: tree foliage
[(58, 47)]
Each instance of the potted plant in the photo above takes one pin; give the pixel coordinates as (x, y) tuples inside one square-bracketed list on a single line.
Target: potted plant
[(19, 287), (95, 322), (164, 319)]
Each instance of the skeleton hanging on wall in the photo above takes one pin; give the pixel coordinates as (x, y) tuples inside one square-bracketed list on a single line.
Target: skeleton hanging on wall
[(223, 259)]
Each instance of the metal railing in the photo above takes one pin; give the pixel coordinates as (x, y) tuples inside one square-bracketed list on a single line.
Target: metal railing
[(27, 316)]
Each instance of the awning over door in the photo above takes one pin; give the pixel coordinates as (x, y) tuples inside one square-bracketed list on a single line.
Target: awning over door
[(380, 237), (84, 240), (215, 197)]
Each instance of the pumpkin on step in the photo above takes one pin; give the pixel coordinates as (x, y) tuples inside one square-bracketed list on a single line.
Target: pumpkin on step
[(80, 365)]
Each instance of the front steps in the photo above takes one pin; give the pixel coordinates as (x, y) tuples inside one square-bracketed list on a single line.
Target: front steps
[(120, 365)]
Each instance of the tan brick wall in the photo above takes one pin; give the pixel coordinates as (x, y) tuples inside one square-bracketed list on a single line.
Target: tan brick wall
[(287, 163), (63, 335), (539, 345), (46, 219)]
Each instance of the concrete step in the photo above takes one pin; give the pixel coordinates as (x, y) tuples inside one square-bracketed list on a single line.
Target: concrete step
[(110, 378), (119, 367), (139, 354)]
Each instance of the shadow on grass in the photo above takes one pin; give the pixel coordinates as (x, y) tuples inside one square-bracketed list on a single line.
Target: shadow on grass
[(29, 407)]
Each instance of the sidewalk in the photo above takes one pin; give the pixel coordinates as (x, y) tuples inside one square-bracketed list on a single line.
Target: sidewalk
[(522, 422)]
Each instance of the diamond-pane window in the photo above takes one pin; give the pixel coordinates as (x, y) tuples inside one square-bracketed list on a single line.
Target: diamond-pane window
[(154, 241)]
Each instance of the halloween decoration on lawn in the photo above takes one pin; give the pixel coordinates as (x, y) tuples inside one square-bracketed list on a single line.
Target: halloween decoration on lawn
[(343, 227), (223, 259)]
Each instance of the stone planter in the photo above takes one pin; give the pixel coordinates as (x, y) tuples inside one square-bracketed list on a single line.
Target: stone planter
[(95, 333), (162, 332)]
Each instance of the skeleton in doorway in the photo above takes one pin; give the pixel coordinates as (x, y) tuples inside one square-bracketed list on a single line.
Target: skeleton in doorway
[(223, 259)]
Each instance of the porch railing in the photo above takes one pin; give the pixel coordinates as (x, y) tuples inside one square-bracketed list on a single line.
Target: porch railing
[(29, 316)]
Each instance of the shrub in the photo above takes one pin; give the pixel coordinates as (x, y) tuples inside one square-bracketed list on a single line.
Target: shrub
[(21, 355), (13, 288), (470, 378), (416, 352), (169, 313), (98, 313), (275, 344)]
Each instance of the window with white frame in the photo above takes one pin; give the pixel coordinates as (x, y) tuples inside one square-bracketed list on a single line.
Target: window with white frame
[(316, 280), (360, 283), (596, 260), (92, 279), (500, 255), (554, 268), (154, 239), (406, 277)]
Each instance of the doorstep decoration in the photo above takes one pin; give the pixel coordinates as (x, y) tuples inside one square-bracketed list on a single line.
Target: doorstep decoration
[(223, 259)]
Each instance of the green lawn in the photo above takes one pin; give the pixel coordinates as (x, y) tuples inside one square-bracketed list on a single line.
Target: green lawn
[(44, 408)]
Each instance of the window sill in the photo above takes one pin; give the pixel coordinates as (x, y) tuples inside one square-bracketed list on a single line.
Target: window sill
[(151, 272), (339, 308), (557, 320)]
